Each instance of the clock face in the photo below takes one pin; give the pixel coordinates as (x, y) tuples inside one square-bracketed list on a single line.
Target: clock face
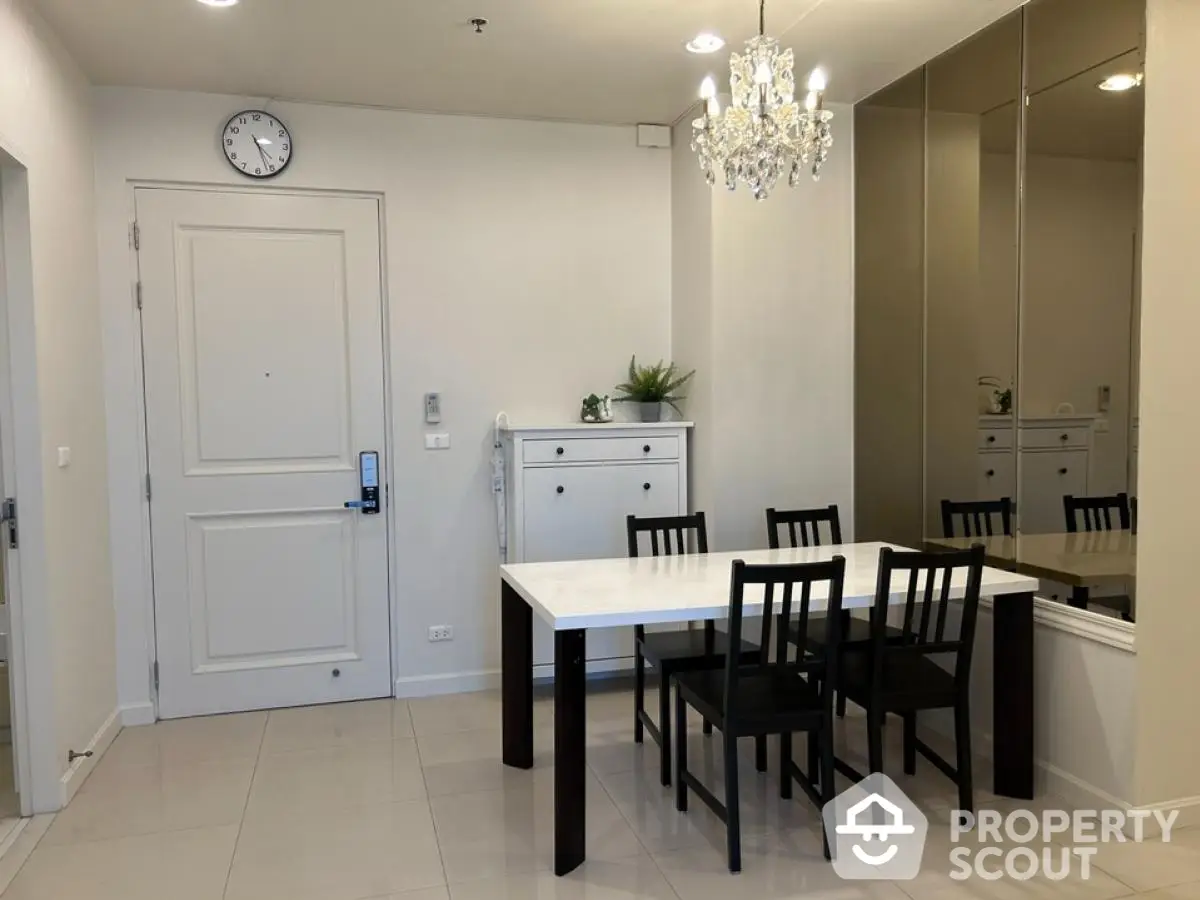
[(257, 144)]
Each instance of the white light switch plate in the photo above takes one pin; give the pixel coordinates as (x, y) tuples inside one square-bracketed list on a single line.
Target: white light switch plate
[(433, 408), (64, 457), (437, 441)]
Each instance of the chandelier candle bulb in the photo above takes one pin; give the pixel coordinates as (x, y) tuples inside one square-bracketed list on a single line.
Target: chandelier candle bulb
[(816, 81)]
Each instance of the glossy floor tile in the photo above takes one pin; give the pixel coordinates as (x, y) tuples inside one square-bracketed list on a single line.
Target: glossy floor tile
[(393, 800)]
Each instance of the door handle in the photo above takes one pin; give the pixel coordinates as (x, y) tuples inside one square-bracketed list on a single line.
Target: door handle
[(364, 505), (368, 484)]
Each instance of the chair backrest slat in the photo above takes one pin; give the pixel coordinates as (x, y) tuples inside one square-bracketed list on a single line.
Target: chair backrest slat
[(977, 518), (821, 659), (662, 527), (939, 571), (809, 520), (1096, 512)]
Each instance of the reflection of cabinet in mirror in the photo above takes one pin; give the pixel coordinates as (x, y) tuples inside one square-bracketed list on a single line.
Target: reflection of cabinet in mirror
[(1056, 457)]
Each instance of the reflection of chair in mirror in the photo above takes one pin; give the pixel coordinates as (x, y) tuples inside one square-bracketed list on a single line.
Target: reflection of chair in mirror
[(976, 517), (1096, 512), (1097, 515)]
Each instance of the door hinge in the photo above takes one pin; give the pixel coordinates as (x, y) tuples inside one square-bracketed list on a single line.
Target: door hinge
[(149, 493), (139, 295), (8, 515), (137, 236), (155, 673)]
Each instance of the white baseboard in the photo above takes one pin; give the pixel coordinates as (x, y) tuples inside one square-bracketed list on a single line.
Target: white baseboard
[(79, 770), (453, 683), (137, 714), (1188, 808)]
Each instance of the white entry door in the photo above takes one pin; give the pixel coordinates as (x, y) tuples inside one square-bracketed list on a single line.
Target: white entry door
[(263, 350)]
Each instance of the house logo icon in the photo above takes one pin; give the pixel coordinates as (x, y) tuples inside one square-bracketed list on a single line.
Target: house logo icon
[(876, 832)]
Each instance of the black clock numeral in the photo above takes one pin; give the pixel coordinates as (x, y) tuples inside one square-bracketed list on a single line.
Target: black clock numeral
[(258, 171), (282, 133), (233, 156), (228, 142), (256, 117), (242, 121), (243, 167), (272, 168), (286, 147), (235, 130)]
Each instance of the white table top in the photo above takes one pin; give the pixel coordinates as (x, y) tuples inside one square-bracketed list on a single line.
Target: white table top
[(603, 593), (1085, 559)]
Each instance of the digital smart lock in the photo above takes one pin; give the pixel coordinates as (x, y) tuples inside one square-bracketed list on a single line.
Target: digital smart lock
[(368, 484)]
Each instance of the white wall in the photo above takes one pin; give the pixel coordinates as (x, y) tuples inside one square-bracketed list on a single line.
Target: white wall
[(525, 262), (764, 306), (44, 125), (1168, 666)]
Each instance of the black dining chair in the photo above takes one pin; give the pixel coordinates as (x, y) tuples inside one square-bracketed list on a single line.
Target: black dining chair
[(674, 651), (978, 518), (804, 530), (1097, 513), (779, 696), (905, 677)]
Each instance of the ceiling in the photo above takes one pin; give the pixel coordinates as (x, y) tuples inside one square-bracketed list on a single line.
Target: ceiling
[(610, 61)]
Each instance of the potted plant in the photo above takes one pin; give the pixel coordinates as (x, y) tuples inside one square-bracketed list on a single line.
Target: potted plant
[(652, 386)]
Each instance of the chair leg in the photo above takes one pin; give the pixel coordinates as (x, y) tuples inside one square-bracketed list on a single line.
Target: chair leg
[(785, 765), (707, 727), (910, 743), (875, 716), (681, 788), (828, 783), (639, 693), (841, 705), (733, 819), (760, 753), (962, 745), (664, 730), (814, 758)]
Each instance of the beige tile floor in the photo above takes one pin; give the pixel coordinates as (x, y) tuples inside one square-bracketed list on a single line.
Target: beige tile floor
[(409, 801)]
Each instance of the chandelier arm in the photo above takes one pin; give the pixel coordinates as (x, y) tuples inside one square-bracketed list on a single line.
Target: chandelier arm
[(762, 18)]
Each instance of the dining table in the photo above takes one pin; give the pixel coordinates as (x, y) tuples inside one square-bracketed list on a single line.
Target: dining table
[(1081, 560), (576, 596)]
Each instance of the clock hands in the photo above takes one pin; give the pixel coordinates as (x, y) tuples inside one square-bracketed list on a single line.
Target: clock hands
[(261, 151)]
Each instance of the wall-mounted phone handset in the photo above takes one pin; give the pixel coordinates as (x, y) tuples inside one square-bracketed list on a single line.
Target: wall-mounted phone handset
[(368, 483)]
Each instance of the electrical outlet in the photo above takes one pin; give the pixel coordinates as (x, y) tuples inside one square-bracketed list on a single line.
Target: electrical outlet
[(437, 441), (440, 633)]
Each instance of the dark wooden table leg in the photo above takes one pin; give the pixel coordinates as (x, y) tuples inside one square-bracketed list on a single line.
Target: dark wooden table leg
[(1079, 597), (516, 677), (1013, 695), (570, 741)]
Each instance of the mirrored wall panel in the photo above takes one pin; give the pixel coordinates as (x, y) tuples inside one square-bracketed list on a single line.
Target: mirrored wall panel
[(999, 195)]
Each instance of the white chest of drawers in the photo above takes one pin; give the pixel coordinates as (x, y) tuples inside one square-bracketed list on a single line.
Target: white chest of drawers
[(569, 490), (1055, 460)]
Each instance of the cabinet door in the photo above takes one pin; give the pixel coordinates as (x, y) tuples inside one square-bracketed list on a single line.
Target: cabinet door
[(578, 512), (1045, 478), (997, 476)]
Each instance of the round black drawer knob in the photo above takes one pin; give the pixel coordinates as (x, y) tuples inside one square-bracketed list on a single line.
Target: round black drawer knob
[(337, 673), (991, 472), (559, 489), (1062, 471), (1062, 437), (560, 451), (646, 449), (991, 439), (646, 486)]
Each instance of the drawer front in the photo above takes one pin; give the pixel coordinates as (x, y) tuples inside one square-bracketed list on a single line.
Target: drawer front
[(995, 438), (997, 476), (1045, 478), (1055, 438), (615, 449)]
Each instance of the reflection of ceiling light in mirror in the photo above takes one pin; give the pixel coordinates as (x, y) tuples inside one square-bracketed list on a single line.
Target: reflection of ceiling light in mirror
[(1123, 81), (705, 42), (219, 2)]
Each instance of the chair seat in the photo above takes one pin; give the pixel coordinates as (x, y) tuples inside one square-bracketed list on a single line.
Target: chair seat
[(768, 703), (859, 632), (910, 681), (680, 651)]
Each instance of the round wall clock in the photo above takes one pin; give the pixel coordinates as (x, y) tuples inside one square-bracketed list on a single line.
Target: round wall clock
[(257, 144)]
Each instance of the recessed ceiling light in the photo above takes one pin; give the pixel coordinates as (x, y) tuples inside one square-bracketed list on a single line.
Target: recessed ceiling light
[(1123, 81), (218, 2), (705, 42)]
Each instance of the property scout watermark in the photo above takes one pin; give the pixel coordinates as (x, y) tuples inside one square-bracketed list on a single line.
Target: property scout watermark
[(877, 833)]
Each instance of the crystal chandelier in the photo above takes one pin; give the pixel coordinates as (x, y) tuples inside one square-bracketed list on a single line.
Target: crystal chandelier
[(764, 134)]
